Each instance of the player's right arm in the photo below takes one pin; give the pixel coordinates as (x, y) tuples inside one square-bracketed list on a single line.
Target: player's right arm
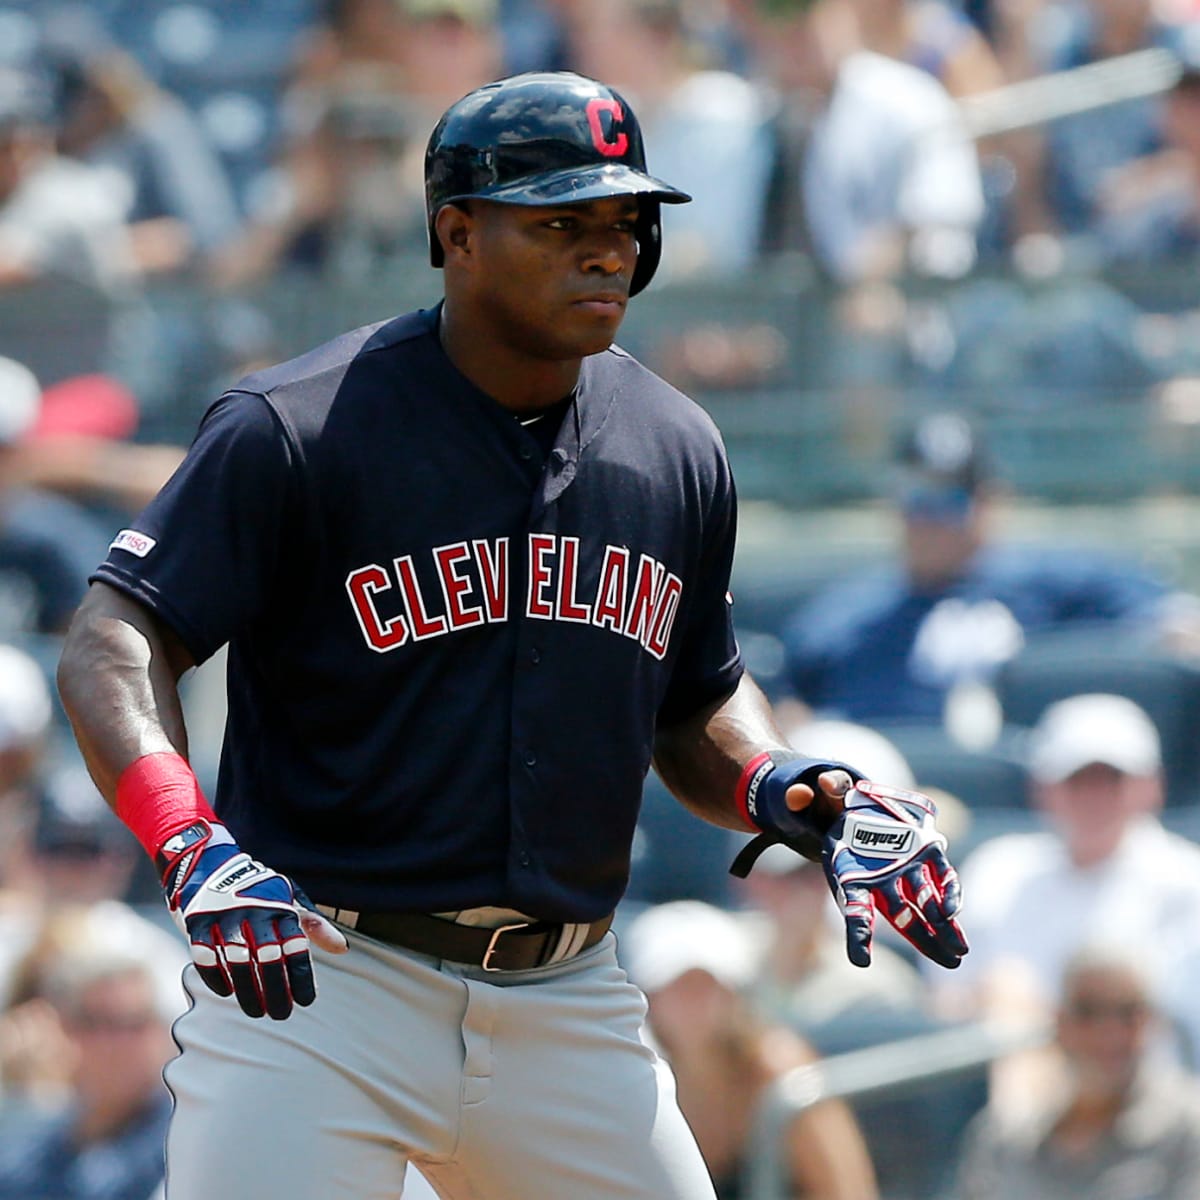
[(118, 678), (119, 682)]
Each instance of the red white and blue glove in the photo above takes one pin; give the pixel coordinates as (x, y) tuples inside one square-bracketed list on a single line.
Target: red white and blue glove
[(243, 920), (879, 846), (885, 853)]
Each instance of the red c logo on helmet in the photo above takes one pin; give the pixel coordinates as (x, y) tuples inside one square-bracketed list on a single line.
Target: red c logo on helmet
[(609, 146)]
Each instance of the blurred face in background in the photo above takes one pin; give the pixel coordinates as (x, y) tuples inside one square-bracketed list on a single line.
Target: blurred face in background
[(692, 1011), (1182, 118), (447, 54), (943, 528), (1093, 808), (22, 147), (121, 1043), (801, 43), (1104, 1025), (1121, 25)]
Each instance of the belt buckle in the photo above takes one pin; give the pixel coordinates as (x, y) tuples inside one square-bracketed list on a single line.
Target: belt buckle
[(495, 938)]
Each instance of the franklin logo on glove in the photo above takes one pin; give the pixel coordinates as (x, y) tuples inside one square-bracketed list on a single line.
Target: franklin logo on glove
[(876, 839)]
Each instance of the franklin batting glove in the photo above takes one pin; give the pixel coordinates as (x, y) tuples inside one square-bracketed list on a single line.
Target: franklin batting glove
[(885, 853), (242, 919)]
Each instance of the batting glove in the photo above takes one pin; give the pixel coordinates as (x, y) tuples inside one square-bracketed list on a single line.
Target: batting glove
[(242, 919), (884, 852)]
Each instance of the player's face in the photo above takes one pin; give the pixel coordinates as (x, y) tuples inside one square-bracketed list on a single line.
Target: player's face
[(554, 282)]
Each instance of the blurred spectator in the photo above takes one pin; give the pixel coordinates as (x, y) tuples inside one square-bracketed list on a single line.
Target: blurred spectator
[(901, 640), (1117, 1123), (48, 544), (80, 851), (1083, 151), (709, 130), (1103, 867), (355, 38), (101, 975), (934, 36), (884, 178), (26, 713), (349, 191), (1151, 207), (180, 202), (58, 218), (67, 851), (693, 960)]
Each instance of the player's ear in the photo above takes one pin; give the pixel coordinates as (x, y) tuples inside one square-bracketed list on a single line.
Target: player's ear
[(453, 226)]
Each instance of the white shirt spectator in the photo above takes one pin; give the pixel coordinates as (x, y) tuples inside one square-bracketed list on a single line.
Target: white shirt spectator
[(1027, 908), (713, 137), (67, 219), (890, 154)]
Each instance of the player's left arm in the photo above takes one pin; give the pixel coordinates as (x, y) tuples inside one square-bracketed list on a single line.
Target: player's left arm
[(880, 848), (701, 759)]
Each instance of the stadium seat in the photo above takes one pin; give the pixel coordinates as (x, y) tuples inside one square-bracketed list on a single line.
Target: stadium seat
[(1054, 666), (982, 779)]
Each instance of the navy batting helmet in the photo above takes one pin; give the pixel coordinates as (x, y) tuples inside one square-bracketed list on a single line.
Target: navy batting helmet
[(545, 138)]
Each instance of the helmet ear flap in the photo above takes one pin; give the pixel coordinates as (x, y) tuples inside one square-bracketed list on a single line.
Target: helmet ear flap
[(648, 231)]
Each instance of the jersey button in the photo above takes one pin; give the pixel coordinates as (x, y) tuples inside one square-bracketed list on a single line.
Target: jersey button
[(530, 758), (535, 656), (523, 859), (526, 453)]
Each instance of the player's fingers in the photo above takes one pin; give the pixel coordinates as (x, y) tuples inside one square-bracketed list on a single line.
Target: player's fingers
[(909, 921), (323, 933), (835, 783), (947, 881), (243, 971), (209, 963), (926, 896), (798, 797), (859, 914), (265, 938), (900, 901), (317, 929), (297, 960)]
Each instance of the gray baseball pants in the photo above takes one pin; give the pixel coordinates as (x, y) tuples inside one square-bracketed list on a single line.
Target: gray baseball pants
[(530, 1085)]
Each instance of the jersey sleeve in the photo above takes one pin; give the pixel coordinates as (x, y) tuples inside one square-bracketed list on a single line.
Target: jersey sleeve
[(709, 664), (204, 555)]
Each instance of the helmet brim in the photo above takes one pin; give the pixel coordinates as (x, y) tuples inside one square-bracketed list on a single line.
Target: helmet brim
[(573, 185)]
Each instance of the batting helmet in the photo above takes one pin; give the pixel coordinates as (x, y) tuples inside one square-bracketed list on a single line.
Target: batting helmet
[(545, 138)]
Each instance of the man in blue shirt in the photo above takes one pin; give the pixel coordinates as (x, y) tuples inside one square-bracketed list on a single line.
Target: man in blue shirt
[(893, 641)]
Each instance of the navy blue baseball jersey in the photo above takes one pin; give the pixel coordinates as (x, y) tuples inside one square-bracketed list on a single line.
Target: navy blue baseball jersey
[(449, 649)]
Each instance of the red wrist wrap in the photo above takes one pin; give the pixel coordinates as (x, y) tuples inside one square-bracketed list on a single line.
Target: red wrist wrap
[(752, 774), (157, 795)]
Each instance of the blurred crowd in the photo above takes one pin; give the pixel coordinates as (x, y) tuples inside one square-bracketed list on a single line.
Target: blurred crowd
[(991, 201)]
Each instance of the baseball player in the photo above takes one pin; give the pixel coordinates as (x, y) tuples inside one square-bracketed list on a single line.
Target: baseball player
[(472, 565)]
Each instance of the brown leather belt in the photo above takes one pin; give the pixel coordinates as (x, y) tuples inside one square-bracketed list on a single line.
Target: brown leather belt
[(516, 947)]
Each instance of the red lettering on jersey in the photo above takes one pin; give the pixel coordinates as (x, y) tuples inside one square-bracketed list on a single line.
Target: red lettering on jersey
[(569, 608), (493, 572), (423, 626), (664, 616), (455, 587), (541, 577), (362, 584), (603, 139), (609, 612), (639, 620)]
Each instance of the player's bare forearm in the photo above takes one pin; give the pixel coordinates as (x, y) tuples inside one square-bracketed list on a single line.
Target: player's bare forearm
[(701, 758), (118, 678)]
